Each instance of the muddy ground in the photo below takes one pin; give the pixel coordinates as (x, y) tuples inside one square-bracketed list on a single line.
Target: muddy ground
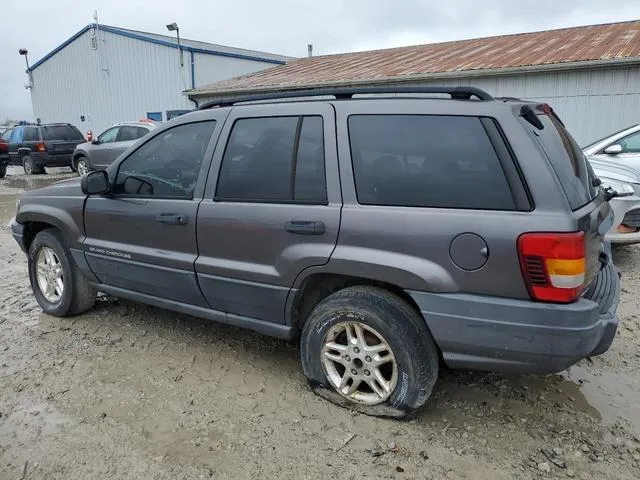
[(128, 391)]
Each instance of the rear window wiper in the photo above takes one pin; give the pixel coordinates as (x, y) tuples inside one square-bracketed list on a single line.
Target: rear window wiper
[(530, 116)]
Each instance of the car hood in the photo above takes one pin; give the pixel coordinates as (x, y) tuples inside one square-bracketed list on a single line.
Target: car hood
[(614, 171), (64, 188)]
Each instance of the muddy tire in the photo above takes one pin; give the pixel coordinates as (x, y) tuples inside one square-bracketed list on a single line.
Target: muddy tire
[(30, 168), (378, 340), (59, 287)]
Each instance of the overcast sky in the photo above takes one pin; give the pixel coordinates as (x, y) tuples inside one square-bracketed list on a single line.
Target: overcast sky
[(282, 26)]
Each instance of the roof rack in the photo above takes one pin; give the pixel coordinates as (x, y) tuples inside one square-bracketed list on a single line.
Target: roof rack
[(456, 93), (509, 99)]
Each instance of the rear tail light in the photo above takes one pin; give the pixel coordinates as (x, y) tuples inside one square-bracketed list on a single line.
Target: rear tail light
[(40, 147), (553, 265)]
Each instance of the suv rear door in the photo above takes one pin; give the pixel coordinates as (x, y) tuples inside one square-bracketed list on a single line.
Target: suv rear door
[(271, 207)]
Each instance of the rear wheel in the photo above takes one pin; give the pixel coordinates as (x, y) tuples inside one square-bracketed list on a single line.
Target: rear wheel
[(57, 283), (82, 166), (30, 168), (367, 349)]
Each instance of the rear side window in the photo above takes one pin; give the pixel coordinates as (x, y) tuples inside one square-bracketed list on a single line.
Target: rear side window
[(61, 132), (567, 160), (30, 134), (130, 132), (426, 161), (276, 160)]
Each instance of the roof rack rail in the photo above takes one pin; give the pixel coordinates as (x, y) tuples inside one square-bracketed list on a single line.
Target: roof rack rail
[(509, 99), (456, 93)]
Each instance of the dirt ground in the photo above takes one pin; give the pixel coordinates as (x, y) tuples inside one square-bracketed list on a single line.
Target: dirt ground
[(128, 391)]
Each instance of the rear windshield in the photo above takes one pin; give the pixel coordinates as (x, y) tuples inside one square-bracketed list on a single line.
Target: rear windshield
[(568, 161), (61, 132)]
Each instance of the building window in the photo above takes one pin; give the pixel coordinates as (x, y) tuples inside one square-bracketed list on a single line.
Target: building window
[(155, 116)]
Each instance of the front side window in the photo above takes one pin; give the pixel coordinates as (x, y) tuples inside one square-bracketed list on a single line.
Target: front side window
[(109, 135), (168, 164), (277, 159), (426, 161)]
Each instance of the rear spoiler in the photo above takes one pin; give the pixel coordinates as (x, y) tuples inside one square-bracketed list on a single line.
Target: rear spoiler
[(531, 116)]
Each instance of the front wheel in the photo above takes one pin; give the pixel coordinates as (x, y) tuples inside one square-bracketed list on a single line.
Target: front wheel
[(3, 171), (367, 349), (82, 166), (57, 283)]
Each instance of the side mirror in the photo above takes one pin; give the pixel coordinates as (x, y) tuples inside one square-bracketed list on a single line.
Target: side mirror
[(613, 149), (95, 141), (95, 183)]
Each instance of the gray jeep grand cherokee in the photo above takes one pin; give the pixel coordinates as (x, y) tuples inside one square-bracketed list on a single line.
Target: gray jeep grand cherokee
[(389, 232)]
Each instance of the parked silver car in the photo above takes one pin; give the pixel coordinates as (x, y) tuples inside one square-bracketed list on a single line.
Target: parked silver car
[(102, 151), (622, 148), (626, 207)]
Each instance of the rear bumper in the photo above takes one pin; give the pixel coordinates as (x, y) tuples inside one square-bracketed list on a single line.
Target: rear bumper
[(48, 160), (508, 335), (621, 206)]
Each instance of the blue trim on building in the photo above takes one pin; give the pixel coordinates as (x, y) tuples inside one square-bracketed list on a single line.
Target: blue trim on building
[(164, 43), (193, 70), (58, 48)]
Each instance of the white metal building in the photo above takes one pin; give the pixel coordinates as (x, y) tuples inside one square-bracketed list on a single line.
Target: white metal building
[(590, 75), (103, 75)]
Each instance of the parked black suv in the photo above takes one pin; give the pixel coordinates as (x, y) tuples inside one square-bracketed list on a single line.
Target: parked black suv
[(387, 233), (38, 146)]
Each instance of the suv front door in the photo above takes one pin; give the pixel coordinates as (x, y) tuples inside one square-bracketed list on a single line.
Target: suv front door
[(142, 237), (274, 209), (101, 152)]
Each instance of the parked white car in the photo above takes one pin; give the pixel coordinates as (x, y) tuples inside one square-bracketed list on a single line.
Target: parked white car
[(626, 207), (621, 148)]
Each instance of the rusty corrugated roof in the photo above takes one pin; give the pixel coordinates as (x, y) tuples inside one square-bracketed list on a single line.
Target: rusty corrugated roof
[(606, 42)]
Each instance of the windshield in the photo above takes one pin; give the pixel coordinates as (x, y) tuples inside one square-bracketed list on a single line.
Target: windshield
[(592, 144), (61, 132)]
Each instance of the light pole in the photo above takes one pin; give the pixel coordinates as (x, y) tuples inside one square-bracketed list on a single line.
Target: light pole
[(24, 52), (173, 27)]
